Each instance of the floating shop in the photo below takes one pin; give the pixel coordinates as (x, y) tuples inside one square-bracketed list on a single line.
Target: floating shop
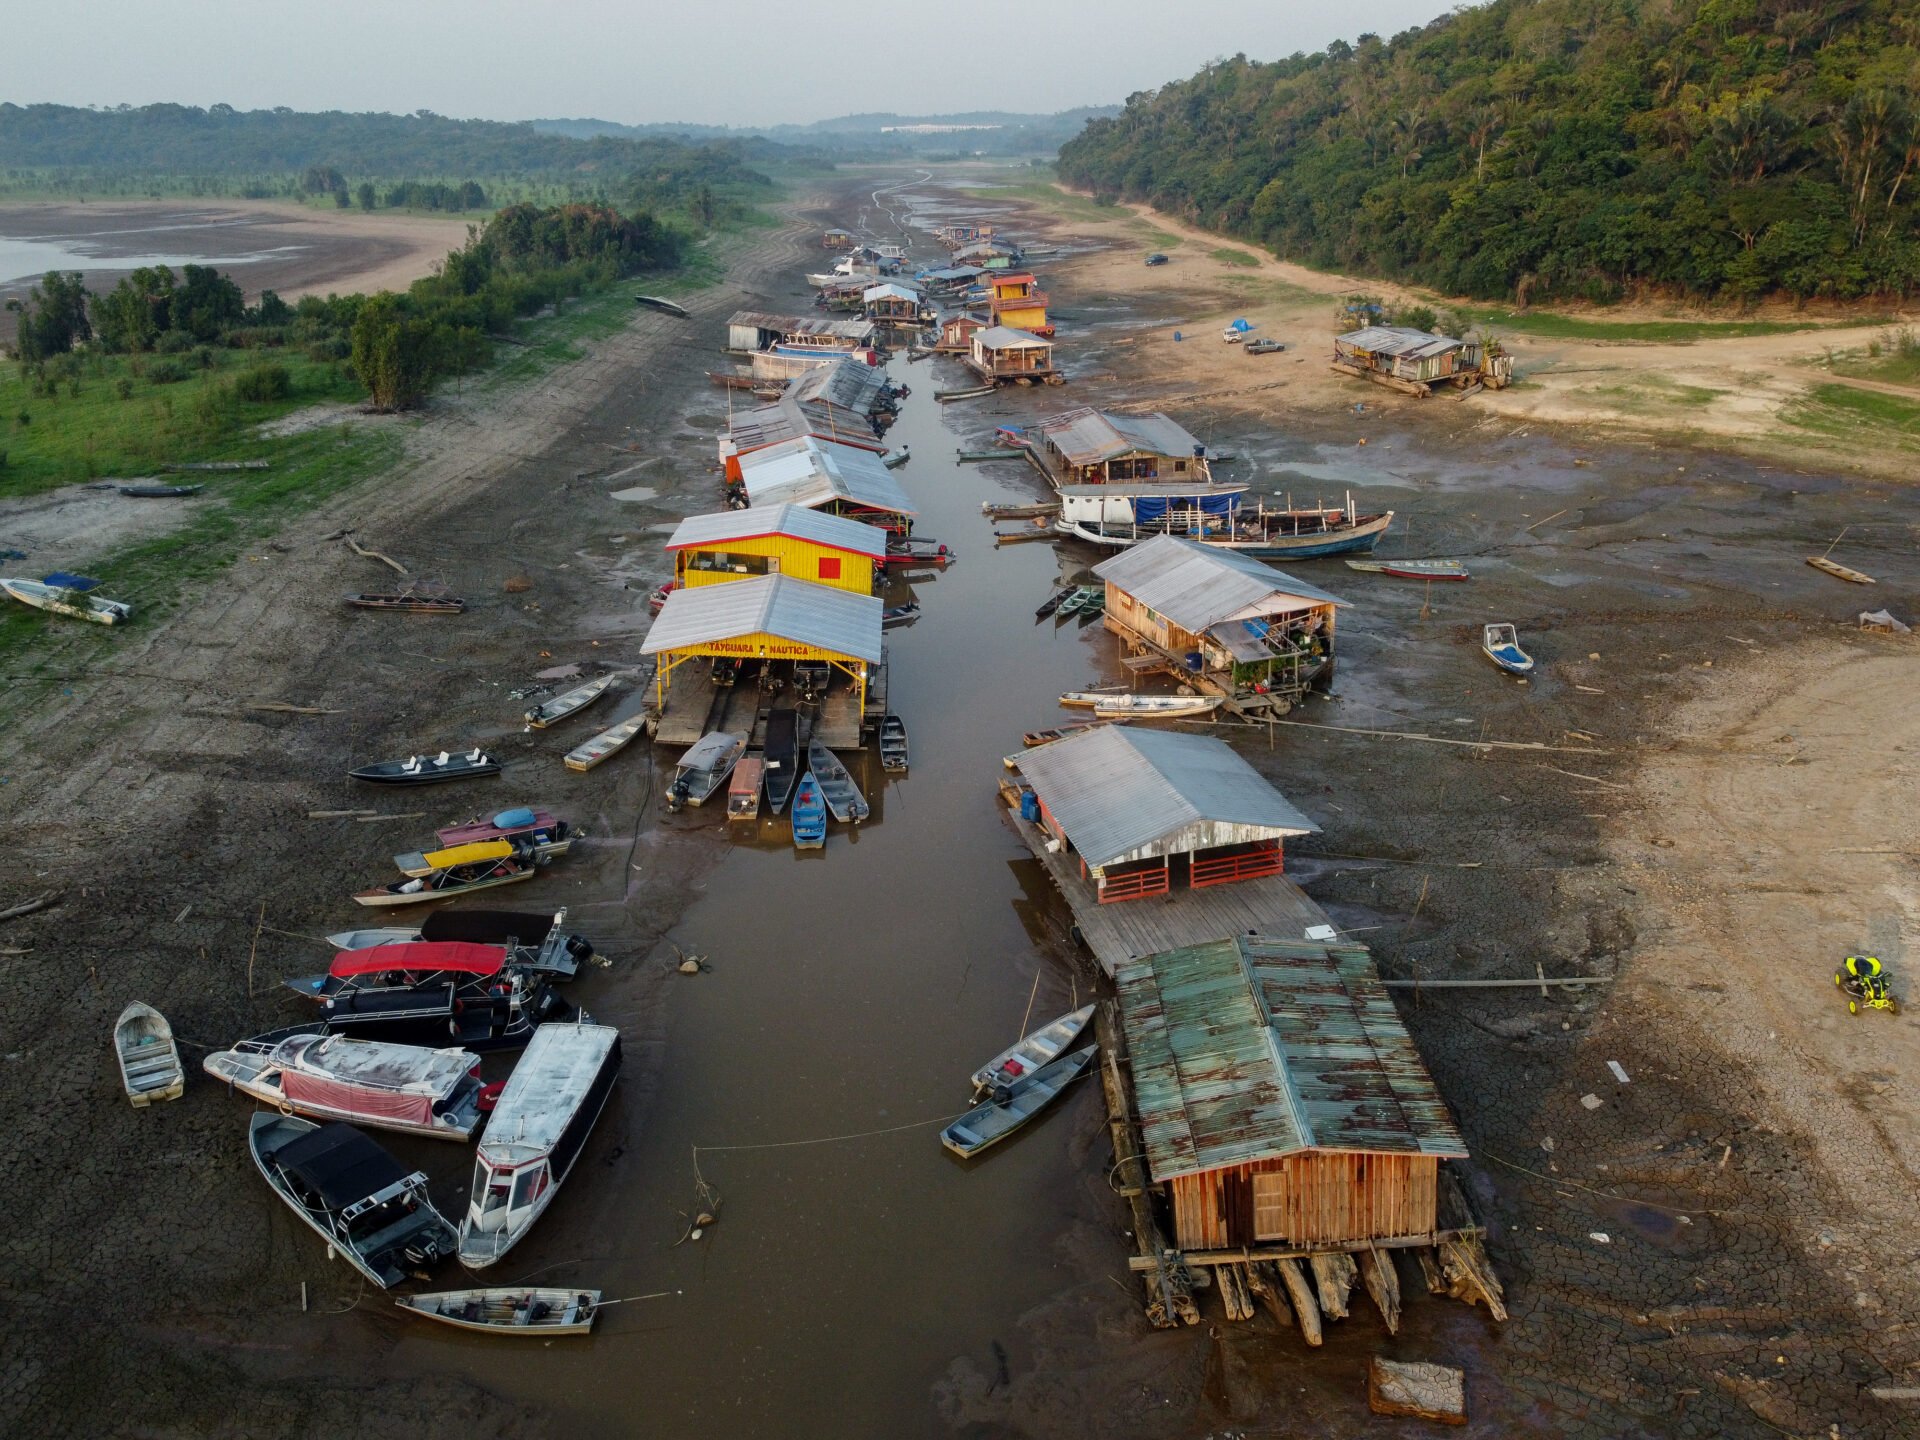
[(1001, 356), (784, 539), (1222, 622)]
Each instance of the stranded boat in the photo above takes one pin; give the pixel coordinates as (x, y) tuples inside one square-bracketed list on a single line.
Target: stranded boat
[(549, 835), (437, 1093), (409, 603), (705, 767), (418, 864), (1026, 1057), (353, 1195), (1164, 707), (809, 815), (500, 1014), (558, 955), (1413, 569), (536, 1134), (422, 770), (837, 786), (149, 1060), (62, 600), (608, 742), (567, 703), (404, 965), (743, 795), (509, 1310), (1502, 646), (1013, 1106), (1119, 515), (783, 758)]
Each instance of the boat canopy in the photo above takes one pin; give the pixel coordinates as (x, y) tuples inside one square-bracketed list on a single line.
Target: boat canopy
[(458, 957), (338, 1164), (370, 1078), (468, 854), (1149, 508), (488, 928)]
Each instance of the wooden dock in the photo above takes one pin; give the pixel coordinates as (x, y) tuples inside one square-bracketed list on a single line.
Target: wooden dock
[(696, 706), (1270, 905)]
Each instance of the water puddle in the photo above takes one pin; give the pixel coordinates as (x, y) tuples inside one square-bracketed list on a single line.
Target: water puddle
[(634, 494)]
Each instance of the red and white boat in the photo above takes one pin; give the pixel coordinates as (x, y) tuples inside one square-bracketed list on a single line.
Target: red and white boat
[(549, 835), (436, 1093)]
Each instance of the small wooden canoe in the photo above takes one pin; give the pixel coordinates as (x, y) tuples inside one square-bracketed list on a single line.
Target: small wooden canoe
[(1090, 698), (425, 770), (606, 743), (149, 1060), (366, 939), (409, 604), (743, 794), (1054, 601), (1841, 572), (1502, 646), (1013, 1106), (509, 1310), (1413, 569), (1164, 707), (443, 884), (837, 785), (159, 492), (895, 615), (916, 551), (893, 745), (809, 815), (567, 703), (74, 604), (1033, 1053)]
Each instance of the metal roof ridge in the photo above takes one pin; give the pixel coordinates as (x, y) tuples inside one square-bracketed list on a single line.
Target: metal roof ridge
[(1296, 1108)]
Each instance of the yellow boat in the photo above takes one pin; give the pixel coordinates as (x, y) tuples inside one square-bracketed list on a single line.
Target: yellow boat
[(419, 863), (1839, 571)]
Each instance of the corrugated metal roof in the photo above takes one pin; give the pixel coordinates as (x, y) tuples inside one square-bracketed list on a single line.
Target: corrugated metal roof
[(790, 418), (817, 527), (847, 384), (1002, 337), (1197, 586), (1131, 489), (1088, 436), (1123, 794), (1252, 1048), (889, 291), (763, 320), (813, 472), (797, 610), (1398, 340)]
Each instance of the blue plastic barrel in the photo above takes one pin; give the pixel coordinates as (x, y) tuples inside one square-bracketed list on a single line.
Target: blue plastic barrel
[(1030, 807)]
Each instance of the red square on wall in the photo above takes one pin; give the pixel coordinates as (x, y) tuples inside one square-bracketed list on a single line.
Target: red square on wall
[(829, 568)]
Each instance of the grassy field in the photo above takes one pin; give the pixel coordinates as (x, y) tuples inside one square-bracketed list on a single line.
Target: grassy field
[(1858, 418), (1893, 357), (1227, 255), (1551, 326)]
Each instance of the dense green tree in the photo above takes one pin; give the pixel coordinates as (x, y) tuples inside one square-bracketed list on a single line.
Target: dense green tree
[(52, 319), (391, 353), (137, 312), (364, 196), (1583, 148)]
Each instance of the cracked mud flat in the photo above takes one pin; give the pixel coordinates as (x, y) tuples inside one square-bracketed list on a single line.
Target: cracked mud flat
[(153, 1283)]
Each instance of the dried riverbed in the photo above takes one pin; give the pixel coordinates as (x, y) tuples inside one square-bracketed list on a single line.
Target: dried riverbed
[(871, 1285)]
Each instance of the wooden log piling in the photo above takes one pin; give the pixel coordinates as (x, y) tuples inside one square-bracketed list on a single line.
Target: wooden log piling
[(1293, 1275), (1382, 1280), (1333, 1275)]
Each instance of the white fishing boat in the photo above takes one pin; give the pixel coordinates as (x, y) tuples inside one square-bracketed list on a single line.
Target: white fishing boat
[(1502, 646), (1013, 1106), (705, 767), (149, 1060), (378, 935), (539, 1127), (607, 743), (75, 604), (353, 1195), (1021, 1060), (510, 1310), (1161, 707), (1087, 699), (409, 1088), (567, 703)]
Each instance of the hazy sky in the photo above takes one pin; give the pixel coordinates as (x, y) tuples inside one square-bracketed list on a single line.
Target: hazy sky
[(734, 62)]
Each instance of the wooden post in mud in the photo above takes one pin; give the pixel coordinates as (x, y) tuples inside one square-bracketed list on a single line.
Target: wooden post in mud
[(1383, 1285), (1306, 1310), (1169, 1295)]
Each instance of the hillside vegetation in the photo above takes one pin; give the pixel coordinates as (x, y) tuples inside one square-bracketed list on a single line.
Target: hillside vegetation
[(1575, 148)]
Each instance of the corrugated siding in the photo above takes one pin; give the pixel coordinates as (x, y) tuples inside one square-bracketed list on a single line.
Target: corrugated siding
[(799, 559), (1309, 1199), (790, 617), (1196, 586)]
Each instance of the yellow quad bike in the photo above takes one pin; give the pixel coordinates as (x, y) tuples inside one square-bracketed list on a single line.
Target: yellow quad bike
[(1865, 986)]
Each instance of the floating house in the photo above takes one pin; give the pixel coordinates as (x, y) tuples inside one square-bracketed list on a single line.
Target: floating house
[(1224, 623), (820, 475), (836, 239), (1098, 447), (950, 279), (769, 623), (1281, 1101), (1015, 299), (987, 254), (1001, 356), (957, 332), (807, 337), (894, 304), (1144, 813), (1414, 361), (791, 418), (787, 539), (845, 387)]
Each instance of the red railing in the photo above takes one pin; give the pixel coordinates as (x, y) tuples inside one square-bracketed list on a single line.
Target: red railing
[(1242, 865), (1134, 885)]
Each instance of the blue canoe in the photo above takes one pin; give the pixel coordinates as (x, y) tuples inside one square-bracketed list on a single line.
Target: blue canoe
[(809, 815)]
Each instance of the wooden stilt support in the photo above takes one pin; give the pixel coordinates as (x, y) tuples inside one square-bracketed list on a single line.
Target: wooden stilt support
[(1306, 1310), (1169, 1293), (1264, 1285), (1469, 1275), (1430, 1272), (1333, 1278), (1234, 1296), (1383, 1284)]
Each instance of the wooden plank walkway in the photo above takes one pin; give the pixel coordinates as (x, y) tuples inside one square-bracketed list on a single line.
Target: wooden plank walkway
[(690, 702), (1271, 905)]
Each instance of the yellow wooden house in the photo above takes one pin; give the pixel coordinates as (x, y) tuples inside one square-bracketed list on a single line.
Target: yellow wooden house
[(1016, 301), (811, 545)]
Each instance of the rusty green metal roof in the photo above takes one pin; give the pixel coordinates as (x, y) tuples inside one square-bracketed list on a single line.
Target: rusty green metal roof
[(1255, 1048)]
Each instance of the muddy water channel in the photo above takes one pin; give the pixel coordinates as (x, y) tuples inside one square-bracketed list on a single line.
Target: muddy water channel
[(851, 990)]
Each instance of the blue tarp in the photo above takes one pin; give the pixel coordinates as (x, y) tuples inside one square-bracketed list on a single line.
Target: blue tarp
[(68, 581), (1240, 325), (513, 819), (1149, 508)]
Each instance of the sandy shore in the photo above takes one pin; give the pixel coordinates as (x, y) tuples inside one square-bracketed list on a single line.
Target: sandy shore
[(1716, 391)]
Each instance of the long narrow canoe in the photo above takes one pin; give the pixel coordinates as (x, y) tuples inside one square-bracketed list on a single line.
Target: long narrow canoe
[(1841, 572), (743, 795), (1413, 569), (567, 703), (1021, 1060), (510, 1310), (1164, 707), (987, 1124), (606, 743), (837, 786), (893, 745), (809, 815)]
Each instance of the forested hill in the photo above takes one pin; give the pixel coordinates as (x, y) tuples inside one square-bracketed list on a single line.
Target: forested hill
[(182, 139), (1579, 148)]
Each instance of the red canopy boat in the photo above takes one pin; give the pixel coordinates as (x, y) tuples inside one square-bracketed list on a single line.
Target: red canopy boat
[(457, 957)]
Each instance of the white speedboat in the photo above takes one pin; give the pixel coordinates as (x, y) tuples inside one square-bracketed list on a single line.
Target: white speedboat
[(437, 1093), (59, 600)]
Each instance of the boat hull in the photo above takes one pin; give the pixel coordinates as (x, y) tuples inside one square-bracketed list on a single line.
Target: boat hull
[(501, 1310)]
